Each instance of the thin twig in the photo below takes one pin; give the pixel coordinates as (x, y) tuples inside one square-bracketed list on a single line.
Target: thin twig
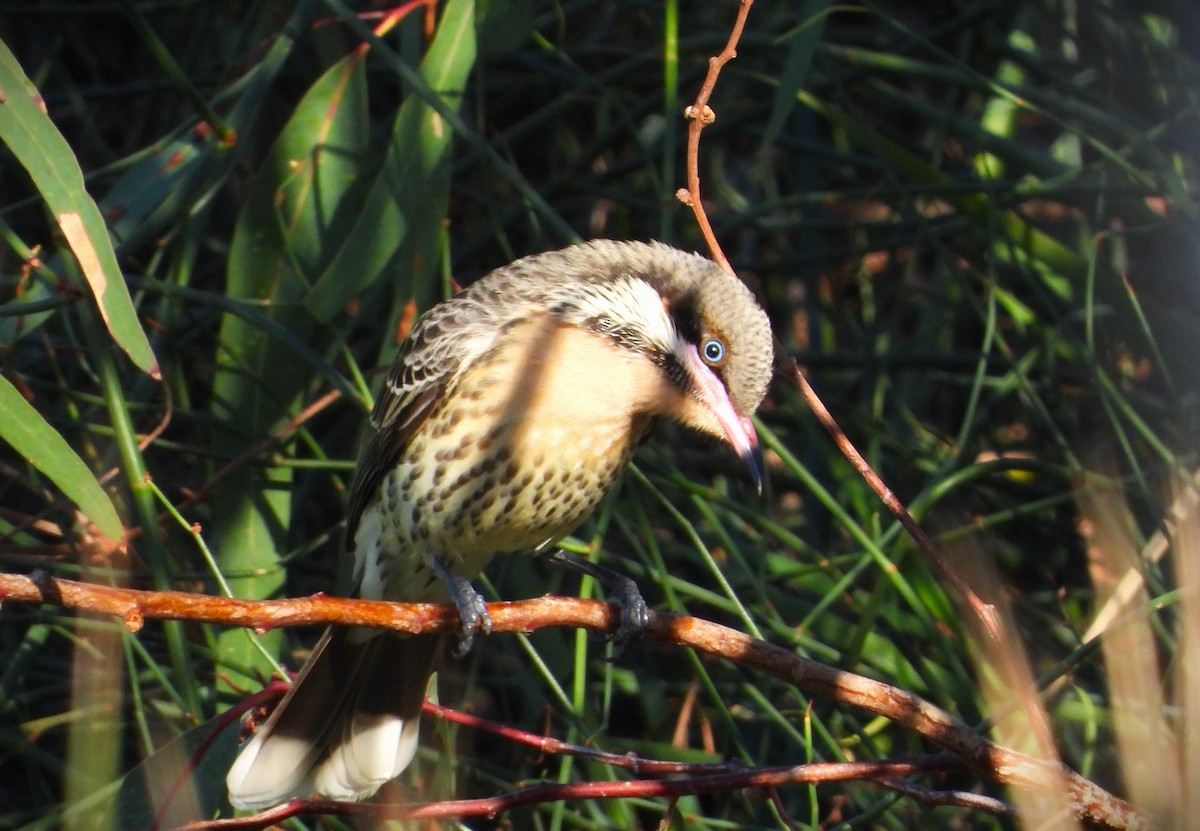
[(961, 799), (260, 448), (556, 747), (700, 115), (985, 612), (755, 779)]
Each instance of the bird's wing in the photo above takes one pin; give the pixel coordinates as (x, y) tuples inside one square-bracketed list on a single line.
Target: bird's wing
[(449, 336), (385, 443)]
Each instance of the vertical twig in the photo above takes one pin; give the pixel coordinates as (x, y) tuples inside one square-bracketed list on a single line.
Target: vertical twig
[(700, 115)]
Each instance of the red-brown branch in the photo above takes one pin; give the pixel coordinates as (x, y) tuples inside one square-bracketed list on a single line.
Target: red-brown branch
[(760, 778), (700, 115)]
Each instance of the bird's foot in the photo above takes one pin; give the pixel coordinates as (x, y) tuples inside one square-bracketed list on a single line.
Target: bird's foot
[(472, 608), (622, 590)]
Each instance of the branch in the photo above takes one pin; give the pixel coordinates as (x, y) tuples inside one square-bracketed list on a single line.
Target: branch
[(985, 758), (700, 115), (759, 778)]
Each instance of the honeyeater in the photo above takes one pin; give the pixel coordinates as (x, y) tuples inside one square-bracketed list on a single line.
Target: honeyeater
[(510, 411)]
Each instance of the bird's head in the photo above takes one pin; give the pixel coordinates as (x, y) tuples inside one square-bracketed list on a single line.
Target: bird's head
[(698, 324)]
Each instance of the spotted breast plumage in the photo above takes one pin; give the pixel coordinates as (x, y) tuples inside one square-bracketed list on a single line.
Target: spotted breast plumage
[(509, 413)]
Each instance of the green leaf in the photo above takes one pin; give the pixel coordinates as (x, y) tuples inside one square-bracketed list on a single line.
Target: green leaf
[(153, 193), (796, 66), (293, 214), (41, 445), (45, 154), (410, 194)]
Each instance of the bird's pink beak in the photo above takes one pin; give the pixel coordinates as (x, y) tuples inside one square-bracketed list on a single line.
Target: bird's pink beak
[(738, 429)]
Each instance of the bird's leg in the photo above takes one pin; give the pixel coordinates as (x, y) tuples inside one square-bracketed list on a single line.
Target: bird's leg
[(472, 608), (622, 590)]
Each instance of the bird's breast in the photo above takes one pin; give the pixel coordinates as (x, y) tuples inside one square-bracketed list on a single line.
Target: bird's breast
[(523, 447)]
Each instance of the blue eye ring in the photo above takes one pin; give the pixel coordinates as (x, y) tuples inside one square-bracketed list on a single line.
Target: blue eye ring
[(713, 351)]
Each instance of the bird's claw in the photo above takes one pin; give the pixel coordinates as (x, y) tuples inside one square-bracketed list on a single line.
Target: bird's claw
[(472, 608), (623, 591), (635, 616), (475, 619)]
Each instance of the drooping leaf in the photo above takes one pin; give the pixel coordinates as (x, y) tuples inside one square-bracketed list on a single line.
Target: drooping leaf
[(44, 153)]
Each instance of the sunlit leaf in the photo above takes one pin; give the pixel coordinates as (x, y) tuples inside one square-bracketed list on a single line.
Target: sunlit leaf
[(46, 156)]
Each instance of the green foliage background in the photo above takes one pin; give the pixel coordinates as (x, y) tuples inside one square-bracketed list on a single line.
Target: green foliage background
[(975, 224)]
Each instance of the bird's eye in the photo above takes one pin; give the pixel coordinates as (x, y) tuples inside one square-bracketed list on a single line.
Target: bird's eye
[(713, 351)]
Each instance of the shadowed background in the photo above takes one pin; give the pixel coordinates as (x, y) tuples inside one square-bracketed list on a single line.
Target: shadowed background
[(975, 227)]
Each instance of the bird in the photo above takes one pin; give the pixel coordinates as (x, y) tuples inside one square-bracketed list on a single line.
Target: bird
[(508, 414)]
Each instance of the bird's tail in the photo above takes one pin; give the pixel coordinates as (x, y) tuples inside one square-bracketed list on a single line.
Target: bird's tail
[(347, 725)]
